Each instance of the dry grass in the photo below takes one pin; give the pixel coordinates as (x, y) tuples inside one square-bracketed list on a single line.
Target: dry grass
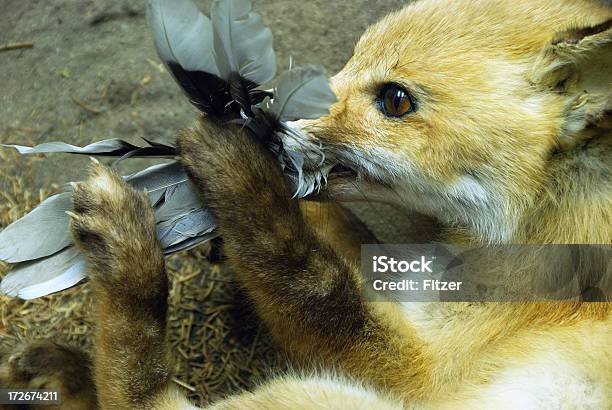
[(217, 344)]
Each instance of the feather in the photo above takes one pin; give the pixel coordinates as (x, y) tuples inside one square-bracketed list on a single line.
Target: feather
[(206, 92), (301, 93), (178, 200), (157, 179), (245, 93), (183, 38), (182, 35), (241, 43), (305, 163), (190, 225), (155, 150), (179, 212), (42, 232), (182, 222), (169, 146), (181, 219), (45, 276), (191, 242), (111, 147), (305, 181), (218, 64), (148, 152)]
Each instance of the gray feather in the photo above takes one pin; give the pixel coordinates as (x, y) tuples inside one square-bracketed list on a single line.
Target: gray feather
[(40, 233), (187, 227), (178, 200), (242, 43), (182, 34), (157, 179), (301, 93), (178, 208), (45, 276), (110, 145), (191, 242)]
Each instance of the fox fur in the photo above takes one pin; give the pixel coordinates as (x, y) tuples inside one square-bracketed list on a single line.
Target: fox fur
[(510, 143)]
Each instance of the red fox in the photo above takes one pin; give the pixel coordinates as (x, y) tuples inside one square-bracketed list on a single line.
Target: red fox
[(492, 116)]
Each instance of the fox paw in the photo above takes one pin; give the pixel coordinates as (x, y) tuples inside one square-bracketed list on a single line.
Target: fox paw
[(48, 365), (212, 150), (227, 163), (114, 226)]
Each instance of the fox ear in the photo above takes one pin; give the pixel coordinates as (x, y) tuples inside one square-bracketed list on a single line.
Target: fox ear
[(577, 64)]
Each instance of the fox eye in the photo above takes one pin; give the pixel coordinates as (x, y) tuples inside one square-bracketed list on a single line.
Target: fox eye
[(395, 101)]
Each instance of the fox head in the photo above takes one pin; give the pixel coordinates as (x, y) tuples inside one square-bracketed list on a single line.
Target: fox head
[(455, 108)]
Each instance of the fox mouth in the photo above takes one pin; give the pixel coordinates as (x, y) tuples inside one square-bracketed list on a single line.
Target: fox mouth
[(353, 182), (340, 171)]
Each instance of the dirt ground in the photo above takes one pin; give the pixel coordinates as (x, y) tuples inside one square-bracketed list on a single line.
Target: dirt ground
[(92, 74)]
